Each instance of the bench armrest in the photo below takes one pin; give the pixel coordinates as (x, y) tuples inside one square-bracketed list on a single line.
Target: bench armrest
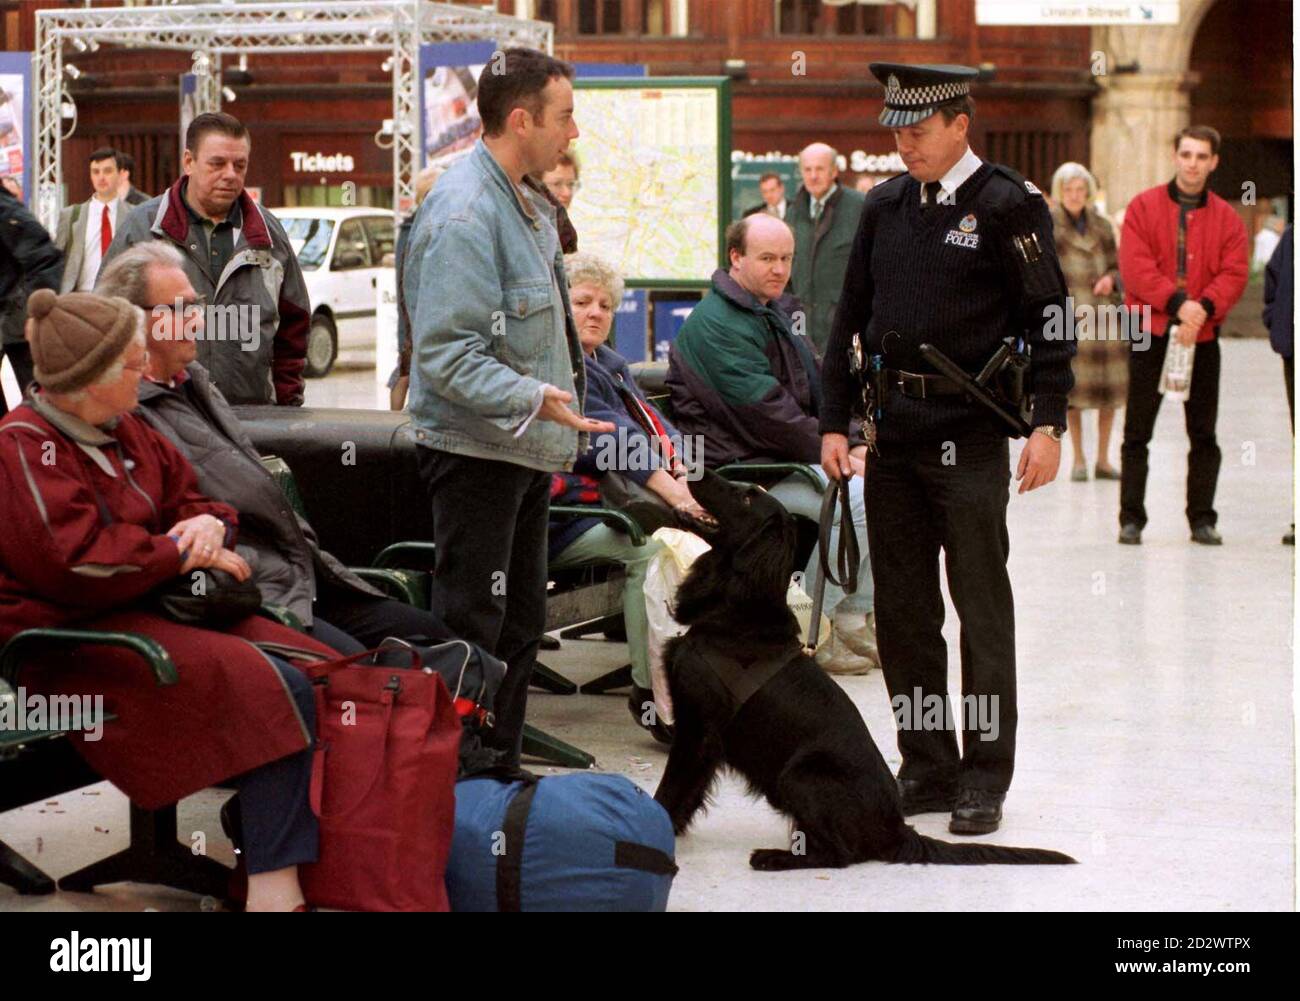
[(399, 583), (397, 555), (281, 615), (608, 515), (30, 640), (746, 471)]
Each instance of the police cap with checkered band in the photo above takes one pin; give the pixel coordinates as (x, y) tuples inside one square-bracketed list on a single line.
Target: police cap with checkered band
[(916, 92)]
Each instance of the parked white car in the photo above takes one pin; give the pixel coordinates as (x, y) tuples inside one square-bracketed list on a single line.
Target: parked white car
[(341, 253)]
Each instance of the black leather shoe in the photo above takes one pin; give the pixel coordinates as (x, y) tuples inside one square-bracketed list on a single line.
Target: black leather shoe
[(1130, 535), (1289, 538), (636, 705), (977, 812), (1207, 535), (918, 796)]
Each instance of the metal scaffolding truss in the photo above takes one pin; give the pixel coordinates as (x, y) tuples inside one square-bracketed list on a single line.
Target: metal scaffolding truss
[(209, 31)]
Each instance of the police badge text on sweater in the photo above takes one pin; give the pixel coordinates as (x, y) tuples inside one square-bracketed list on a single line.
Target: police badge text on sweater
[(964, 235)]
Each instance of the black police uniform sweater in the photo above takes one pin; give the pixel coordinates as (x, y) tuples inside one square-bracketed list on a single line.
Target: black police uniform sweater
[(947, 275)]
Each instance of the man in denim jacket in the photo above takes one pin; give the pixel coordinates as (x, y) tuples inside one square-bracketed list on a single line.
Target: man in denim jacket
[(496, 371)]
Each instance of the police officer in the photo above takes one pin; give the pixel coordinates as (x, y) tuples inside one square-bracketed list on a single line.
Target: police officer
[(957, 253)]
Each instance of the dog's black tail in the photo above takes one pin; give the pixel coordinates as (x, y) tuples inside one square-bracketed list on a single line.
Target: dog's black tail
[(919, 848)]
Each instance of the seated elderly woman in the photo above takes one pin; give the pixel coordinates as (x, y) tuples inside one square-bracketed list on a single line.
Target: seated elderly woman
[(178, 399), (100, 511), (595, 290)]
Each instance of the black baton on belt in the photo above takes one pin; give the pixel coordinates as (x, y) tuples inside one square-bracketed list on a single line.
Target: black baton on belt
[(946, 366)]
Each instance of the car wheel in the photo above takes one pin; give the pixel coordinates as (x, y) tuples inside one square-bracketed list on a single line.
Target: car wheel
[(322, 347)]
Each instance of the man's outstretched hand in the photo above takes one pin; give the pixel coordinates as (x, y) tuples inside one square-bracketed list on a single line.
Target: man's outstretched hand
[(555, 407)]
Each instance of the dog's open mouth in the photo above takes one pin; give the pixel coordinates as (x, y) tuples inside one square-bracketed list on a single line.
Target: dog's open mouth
[(704, 523)]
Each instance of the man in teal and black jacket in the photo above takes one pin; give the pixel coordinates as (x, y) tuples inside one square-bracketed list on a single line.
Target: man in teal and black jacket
[(750, 387)]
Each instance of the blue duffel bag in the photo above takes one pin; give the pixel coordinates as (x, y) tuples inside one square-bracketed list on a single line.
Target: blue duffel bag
[(589, 842)]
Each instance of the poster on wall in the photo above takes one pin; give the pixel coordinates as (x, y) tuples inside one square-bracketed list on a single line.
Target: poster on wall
[(189, 96), (449, 121), (15, 121)]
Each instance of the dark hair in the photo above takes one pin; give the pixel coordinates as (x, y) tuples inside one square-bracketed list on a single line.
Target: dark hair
[(515, 78), (1203, 132), (770, 176), (105, 153), (735, 237), (213, 121), (964, 105), (125, 161)]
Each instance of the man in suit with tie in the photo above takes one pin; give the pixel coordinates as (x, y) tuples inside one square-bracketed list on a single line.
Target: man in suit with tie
[(772, 188), (85, 230)]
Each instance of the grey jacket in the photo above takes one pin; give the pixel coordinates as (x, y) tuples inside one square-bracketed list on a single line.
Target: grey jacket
[(260, 363), (280, 546), (484, 283), (70, 237)]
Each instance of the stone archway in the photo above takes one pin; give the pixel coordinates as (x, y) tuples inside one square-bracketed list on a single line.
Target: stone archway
[(1136, 115)]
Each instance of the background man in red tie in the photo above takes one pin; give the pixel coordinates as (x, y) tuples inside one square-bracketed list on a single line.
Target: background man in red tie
[(85, 230)]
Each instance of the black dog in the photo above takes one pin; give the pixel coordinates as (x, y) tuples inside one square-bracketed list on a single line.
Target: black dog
[(745, 695)]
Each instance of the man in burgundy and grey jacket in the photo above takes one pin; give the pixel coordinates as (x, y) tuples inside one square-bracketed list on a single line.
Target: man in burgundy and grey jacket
[(1183, 253), (253, 340)]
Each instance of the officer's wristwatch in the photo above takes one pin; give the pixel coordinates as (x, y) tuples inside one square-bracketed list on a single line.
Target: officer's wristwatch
[(1053, 431)]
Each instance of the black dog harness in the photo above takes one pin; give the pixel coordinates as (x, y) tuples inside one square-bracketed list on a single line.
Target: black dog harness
[(737, 681)]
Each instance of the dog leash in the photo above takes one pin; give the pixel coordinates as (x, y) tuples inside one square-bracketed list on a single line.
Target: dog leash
[(848, 556)]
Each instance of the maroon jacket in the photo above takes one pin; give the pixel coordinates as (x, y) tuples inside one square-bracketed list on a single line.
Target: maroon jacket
[(85, 515), (1217, 266)]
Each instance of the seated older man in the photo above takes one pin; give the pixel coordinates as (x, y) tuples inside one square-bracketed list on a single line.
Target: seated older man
[(178, 399), (750, 386)]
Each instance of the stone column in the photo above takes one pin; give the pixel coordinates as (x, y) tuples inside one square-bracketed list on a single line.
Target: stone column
[(1134, 121), (1136, 115)]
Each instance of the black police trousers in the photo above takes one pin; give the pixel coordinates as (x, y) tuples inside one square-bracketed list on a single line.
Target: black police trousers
[(951, 496), (1200, 413), (489, 525)]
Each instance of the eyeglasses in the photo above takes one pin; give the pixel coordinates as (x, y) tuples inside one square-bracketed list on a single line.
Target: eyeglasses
[(144, 364), (198, 302)]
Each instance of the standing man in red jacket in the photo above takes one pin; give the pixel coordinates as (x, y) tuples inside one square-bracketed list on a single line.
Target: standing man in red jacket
[(1183, 254)]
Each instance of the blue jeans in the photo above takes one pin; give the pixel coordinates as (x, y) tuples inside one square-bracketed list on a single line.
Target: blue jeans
[(799, 498)]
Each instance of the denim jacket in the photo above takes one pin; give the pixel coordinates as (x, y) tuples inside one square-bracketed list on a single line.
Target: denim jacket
[(481, 285)]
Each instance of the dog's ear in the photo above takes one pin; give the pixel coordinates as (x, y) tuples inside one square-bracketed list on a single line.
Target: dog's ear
[(791, 538)]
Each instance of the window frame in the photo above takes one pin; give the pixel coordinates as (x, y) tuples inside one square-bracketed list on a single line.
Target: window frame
[(379, 219), (338, 246)]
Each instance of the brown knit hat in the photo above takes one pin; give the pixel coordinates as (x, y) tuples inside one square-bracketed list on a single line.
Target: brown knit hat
[(76, 337)]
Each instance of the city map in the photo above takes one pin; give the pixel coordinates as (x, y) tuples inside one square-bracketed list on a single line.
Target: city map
[(648, 201)]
